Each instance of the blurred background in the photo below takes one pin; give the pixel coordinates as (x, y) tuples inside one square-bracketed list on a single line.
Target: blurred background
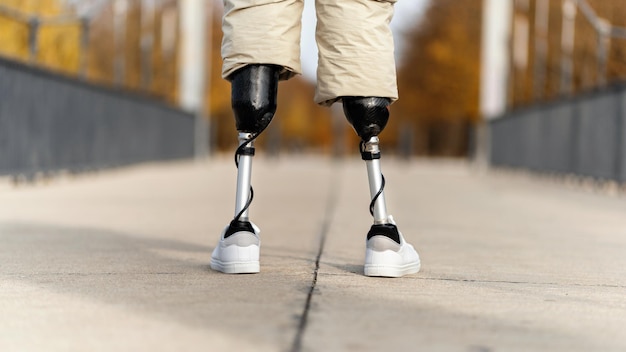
[(555, 49)]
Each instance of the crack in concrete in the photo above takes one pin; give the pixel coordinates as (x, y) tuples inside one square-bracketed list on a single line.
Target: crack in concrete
[(331, 204)]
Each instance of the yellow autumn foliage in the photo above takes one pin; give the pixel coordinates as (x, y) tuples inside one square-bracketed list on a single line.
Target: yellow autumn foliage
[(14, 38), (57, 44)]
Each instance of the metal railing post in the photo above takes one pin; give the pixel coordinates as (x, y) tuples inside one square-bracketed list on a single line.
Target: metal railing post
[(84, 47), (568, 36), (119, 34), (33, 38), (542, 11), (603, 31)]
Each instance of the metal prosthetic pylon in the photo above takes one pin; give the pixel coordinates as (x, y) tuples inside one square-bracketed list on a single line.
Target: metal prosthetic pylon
[(370, 152), (245, 152), (383, 222), (245, 194)]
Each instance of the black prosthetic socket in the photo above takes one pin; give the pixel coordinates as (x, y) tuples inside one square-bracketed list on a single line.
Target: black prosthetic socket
[(253, 96), (368, 115), (254, 89), (387, 230), (237, 226)]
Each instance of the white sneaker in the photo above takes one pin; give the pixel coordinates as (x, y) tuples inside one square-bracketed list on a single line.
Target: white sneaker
[(385, 257), (237, 253)]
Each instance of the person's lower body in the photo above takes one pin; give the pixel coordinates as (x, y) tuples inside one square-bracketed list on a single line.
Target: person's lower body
[(356, 67)]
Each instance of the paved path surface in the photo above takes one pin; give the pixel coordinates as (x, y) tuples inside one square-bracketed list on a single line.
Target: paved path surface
[(118, 261)]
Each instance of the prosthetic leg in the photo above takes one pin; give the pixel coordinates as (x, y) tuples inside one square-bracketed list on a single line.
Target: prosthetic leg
[(387, 254), (254, 92)]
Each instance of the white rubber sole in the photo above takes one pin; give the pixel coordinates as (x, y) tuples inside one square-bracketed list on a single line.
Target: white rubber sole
[(247, 267), (378, 270)]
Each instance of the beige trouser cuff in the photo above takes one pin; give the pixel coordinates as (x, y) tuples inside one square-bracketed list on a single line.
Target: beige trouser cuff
[(356, 51), (262, 32)]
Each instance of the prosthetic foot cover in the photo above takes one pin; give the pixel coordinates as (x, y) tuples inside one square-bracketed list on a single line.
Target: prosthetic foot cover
[(253, 96), (238, 249), (387, 254)]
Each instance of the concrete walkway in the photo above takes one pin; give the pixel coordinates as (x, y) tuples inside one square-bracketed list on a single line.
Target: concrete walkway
[(118, 261)]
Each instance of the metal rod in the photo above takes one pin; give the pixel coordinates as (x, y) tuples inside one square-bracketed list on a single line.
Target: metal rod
[(84, 47), (618, 32), (568, 36), (147, 20), (588, 11), (375, 178), (604, 43), (542, 9), (244, 176), (192, 69), (119, 36), (33, 38)]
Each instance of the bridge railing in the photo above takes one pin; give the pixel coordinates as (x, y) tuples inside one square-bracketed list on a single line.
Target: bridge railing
[(51, 123), (585, 135), (582, 131)]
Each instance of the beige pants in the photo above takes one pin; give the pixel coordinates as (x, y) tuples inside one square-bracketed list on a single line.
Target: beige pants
[(356, 51)]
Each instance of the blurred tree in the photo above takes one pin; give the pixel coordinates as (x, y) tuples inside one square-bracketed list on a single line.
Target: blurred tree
[(302, 122), (439, 81), (59, 47), (439, 77), (13, 38)]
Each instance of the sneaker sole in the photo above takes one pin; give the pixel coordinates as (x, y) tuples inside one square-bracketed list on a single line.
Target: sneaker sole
[(236, 267), (391, 271)]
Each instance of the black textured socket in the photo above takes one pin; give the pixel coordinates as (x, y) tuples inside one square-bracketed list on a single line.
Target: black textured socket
[(238, 226), (368, 115), (254, 89), (387, 230)]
